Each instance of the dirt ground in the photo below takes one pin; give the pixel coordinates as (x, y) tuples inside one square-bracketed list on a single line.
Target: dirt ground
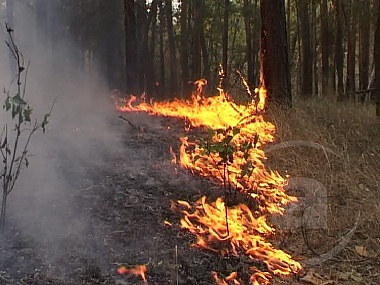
[(127, 201)]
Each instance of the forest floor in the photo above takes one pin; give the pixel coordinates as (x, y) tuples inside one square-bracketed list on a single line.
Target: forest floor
[(126, 202)]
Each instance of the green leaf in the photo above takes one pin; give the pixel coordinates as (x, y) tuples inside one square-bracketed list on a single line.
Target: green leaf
[(18, 100), (45, 122), (211, 133), (196, 158), (26, 113), (7, 104), (228, 139), (14, 111), (235, 131)]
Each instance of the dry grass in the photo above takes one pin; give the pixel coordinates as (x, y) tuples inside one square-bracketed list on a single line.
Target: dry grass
[(350, 175)]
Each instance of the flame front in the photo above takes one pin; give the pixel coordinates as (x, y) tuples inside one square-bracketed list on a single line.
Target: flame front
[(239, 229)]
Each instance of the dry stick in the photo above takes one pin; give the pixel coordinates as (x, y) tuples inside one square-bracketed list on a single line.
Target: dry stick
[(176, 264), (129, 122)]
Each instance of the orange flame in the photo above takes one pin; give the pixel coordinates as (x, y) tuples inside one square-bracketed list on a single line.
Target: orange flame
[(138, 270), (246, 231)]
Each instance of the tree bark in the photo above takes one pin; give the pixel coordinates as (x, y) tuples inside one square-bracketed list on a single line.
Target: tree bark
[(185, 74), (325, 46), (275, 73), (339, 56), (247, 15), (306, 64), (351, 50), (364, 35), (197, 47), (150, 62), (130, 46), (377, 61), (172, 49), (162, 82), (225, 40)]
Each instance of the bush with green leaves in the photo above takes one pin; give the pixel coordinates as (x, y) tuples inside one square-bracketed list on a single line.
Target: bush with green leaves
[(17, 127)]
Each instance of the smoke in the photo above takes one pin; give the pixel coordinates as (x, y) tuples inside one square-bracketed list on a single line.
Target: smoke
[(79, 141)]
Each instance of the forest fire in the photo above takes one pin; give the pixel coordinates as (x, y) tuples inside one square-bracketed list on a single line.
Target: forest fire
[(231, 155)]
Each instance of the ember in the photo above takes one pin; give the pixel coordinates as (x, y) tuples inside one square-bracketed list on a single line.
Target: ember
[(138, 270), (231, 154)]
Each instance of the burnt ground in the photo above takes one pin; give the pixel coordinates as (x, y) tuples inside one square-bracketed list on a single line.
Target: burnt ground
[(118, 209)]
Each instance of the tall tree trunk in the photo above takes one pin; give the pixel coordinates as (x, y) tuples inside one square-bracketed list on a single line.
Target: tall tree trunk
[(306, 67), (274, 52), (351, 50), (364, 35), (205, 56), (315, 47), (172, 49), (225, 40), (197, 47), (339, 56), (377, 60), (130, 46), (325, 44), (185, 76), (162, 83), (247, 15), (150, 63), (142, 26)]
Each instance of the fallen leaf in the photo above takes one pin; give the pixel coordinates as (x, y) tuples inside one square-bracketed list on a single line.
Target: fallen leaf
[(316, 279), (361, 250), (344, 276), (356, 276)]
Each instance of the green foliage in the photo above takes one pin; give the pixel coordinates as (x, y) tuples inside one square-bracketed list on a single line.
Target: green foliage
[(14, 141)]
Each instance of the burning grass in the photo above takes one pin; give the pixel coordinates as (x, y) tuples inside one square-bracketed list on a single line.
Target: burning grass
[(232, 156), (346, 165)]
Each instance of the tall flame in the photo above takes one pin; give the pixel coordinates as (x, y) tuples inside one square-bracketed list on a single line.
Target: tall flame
[(240, 229)]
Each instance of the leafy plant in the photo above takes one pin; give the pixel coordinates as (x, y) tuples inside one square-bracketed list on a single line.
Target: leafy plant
[(223, 146), (15, 138)]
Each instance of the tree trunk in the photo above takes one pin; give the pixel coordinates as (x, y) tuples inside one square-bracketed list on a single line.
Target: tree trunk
[(377, 61), (150, 63), (162, 83), (339, 56), (130, 46), (275, 73), (185, 76), (142, 26), (247, 15), (315, 47), (225, 40), (306, 65), (197, 47), (364, 35), (325, 44), (351, 50), (172, 49)]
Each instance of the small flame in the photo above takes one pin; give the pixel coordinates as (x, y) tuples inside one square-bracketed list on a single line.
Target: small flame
[(174, 159), (138, 270)]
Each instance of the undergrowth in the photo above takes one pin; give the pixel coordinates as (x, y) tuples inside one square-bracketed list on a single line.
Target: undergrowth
[(350, 172)]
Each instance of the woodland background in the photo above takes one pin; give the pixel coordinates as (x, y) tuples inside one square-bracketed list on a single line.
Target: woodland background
[(161, 47)]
